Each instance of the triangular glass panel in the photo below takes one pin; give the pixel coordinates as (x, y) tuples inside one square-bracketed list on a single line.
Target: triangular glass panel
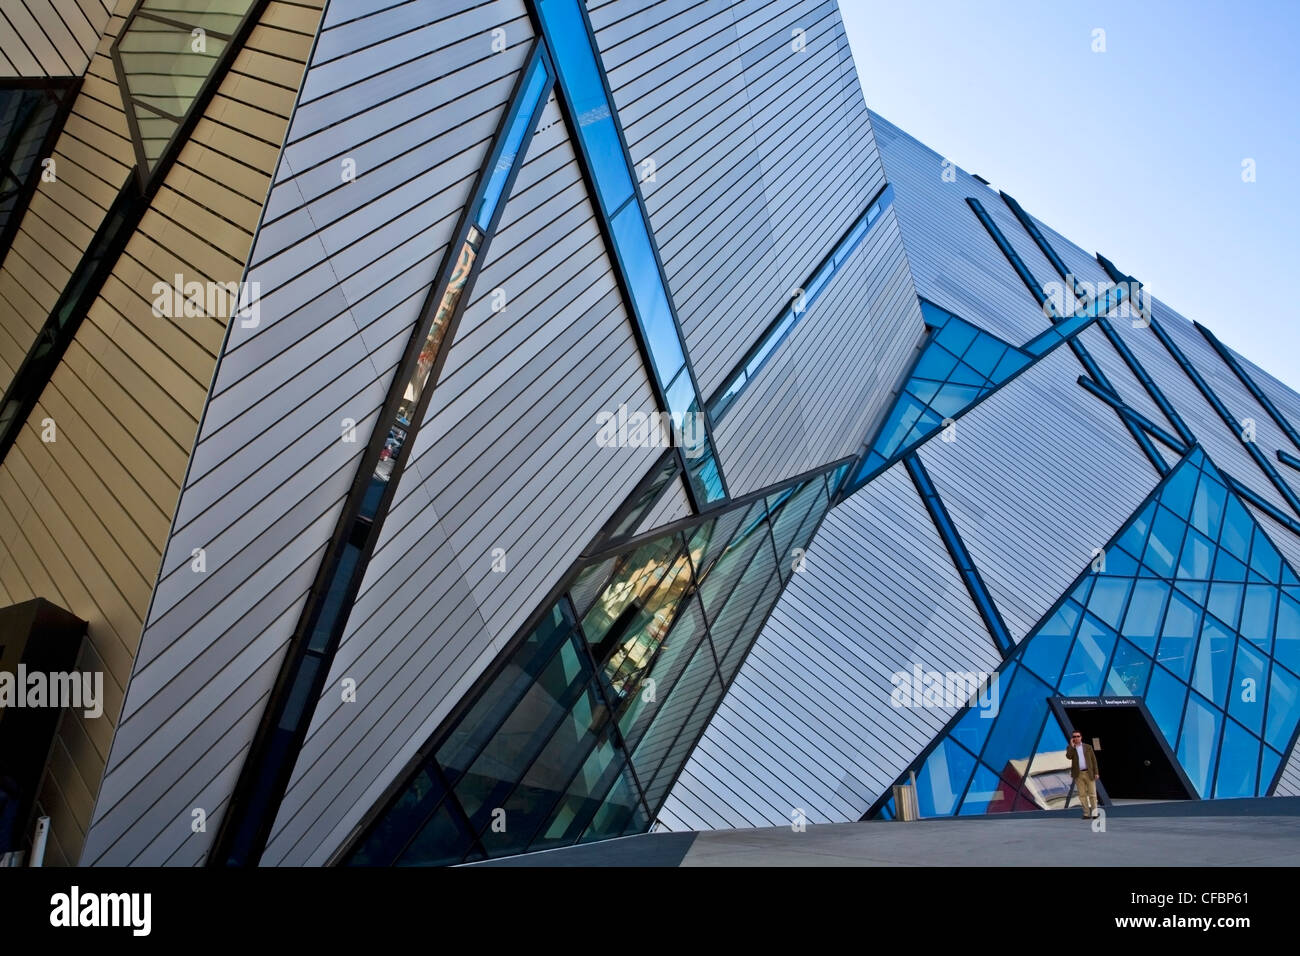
[(959, 365), (164, 56), (1210, 647)]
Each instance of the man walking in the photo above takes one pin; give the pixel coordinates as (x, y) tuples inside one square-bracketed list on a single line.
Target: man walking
[(1083, 768)]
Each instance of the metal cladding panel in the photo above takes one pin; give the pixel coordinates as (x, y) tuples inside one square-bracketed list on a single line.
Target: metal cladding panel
[(1120, 376), (92, 156), (1039, 475), (506, 484), (1268, 435), (1289, 784), (955, 263), (1283, 398), (1222, 444), (51, 37), (808, 723), (84, 519), (744, 205), (671, 506), (343, 269), (827, 386)]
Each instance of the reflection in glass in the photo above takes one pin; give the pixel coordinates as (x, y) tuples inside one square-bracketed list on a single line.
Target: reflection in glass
[(1205, 690), (553, 737), (419, 379), (165, 55)]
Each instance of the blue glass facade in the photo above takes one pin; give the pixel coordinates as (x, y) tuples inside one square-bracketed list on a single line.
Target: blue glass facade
[(959, 366), (1194, 611)]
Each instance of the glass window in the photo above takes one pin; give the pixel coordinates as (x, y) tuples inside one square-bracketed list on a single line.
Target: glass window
[(1048, 784), (531, 97), (1264, 557), (1199, 743), (1237, 527), (699, 679), (1225, 602), (511, 750), (442, 841), (1257, 614), (632, 243), (1178, 637), (1268, 764), (1286, 649), (973, 728), (566, 32), (620, 811), (1180, 489), (664, 670), (1213, 661), (393, 829), (1164, 699), (1019, 721), (942, 779), (1107, 600), (1246, 697), (1198, 552), (1145, 612), (987, 794), (1087, 664), (793, 522), (1164, 543), (1207, 507), (1283, 708), (162, 70), (1238, 763), (1045, 652), (562, 769), (656, 788), (1128, 671)]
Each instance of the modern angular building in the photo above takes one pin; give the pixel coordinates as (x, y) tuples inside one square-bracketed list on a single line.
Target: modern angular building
[(456, 430)]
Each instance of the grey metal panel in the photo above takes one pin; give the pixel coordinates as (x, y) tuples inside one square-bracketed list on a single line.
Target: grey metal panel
[(734, 208), (1269, 437), (1120, 376), (1222, 445), (808, 723), (506, 459), (1282, 396), (672, 505), (1039, 475), (270, 468), (829, 383), (955, 262), (1289, 784)]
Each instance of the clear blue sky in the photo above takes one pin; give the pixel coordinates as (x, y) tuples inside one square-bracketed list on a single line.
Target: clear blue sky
[(1135, 152)]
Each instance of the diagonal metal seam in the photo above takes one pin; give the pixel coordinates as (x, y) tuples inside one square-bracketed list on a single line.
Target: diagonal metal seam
[(1252, 386), (246, 826), (592, 181), (1049, 309), (960, 555), (1221, 409), (1108, 330), (1117, 403), (560, 594), (151, 176), (938, 739), (773, 336)]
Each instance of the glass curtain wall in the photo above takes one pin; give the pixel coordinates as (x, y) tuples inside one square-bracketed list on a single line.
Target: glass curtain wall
[(583, 726)]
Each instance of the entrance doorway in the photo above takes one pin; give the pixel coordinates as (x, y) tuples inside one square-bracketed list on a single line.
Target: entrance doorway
[(1133, 759)]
